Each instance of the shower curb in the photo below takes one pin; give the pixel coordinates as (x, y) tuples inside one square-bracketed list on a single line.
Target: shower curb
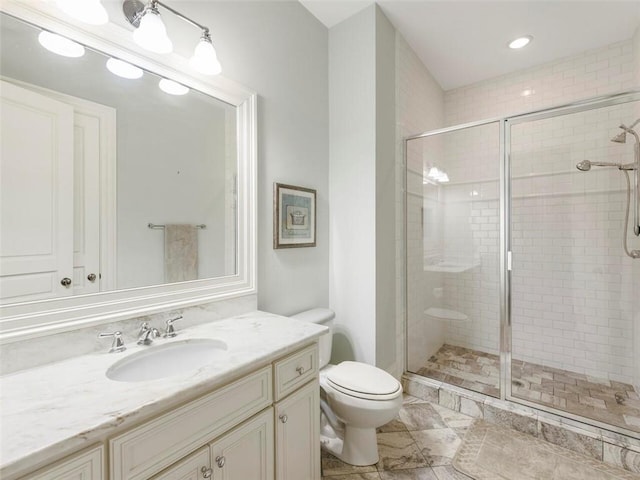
[(601, 444)]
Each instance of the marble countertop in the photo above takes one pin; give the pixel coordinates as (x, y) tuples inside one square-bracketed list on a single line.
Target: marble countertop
[(58, 408)]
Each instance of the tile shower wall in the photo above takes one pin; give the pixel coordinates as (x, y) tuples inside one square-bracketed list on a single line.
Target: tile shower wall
[(593, 73), (555, 212), (572, 283)]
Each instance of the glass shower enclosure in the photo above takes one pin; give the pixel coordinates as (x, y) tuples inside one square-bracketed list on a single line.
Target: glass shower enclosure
[(521, 281)]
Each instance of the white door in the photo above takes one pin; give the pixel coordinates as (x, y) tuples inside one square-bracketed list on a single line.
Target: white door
[(298, 435), (36, 195), (245, 453), (194, 467), (86, 200)]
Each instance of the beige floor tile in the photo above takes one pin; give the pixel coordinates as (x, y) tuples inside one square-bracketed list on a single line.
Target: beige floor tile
[(438, 446), (449, 473), (354, 476), (334, 466), (411, 474), (398, 450)]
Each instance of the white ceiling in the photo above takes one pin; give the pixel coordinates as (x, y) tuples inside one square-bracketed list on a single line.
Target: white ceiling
[(463, 42)]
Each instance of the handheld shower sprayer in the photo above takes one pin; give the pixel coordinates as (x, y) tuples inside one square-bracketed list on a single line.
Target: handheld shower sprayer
[(585, 166)]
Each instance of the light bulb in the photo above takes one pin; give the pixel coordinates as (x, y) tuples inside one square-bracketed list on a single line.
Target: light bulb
[(152, 34), (60, 45), (87, 11), (204, 59), (520, 42), (171, 87), (123, 69)]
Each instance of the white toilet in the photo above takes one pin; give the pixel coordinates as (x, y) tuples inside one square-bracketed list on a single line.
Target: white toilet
[(356, 398)]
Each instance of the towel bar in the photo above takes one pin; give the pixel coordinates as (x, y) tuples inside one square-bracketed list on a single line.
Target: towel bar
[(160, 227)]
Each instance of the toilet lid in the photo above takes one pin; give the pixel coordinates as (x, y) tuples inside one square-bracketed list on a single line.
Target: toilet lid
[(363, 381)]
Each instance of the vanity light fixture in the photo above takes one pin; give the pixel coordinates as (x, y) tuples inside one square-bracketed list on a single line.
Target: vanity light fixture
[(60, 45), (87, 11), (151, 34), (171, 87), (123, 69), (520, 42), (205, 59)]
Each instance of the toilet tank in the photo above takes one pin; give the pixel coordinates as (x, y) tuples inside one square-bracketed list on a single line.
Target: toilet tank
[(321, 316)]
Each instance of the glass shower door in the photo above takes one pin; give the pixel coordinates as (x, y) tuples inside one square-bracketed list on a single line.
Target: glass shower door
[(453, 256), (572, 285)]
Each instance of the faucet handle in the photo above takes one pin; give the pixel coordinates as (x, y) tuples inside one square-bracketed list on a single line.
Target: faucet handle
[(118, 342), (170, 331)]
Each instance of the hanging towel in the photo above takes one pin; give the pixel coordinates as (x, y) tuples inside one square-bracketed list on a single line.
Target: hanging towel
[(180, 253)]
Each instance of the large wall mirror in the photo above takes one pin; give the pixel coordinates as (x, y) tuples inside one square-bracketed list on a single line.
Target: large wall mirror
[(118, 195)]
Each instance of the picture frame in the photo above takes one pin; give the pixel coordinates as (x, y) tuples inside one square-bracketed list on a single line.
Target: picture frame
[(294, 216)]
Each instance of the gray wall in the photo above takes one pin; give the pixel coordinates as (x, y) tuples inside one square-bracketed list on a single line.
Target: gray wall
[(279, 50), (362, 185)]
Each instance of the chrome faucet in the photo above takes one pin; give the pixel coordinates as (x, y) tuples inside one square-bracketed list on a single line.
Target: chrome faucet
[(147, 334), (118, 342), (170, 331)]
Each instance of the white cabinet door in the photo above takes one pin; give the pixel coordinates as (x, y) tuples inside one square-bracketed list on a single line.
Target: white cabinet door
[(83, 466), (193, 467), (36, 195), (298, 435), (245, 453)]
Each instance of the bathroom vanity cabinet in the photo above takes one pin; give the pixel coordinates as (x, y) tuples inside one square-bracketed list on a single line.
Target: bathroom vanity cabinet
[(262, 426), (87, 465)]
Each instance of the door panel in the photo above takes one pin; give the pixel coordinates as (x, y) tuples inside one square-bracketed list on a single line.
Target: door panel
[(36, 195), (298, 435), (246, 452), (86, 225)]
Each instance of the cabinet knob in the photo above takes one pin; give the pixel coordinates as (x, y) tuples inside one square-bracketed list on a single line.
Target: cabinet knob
[(220, 461), (91, 277), (283, 418), (65, 282), (300, 370), (206, 472)]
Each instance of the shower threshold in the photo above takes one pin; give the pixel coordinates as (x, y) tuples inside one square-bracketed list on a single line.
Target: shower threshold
[(607, 401)]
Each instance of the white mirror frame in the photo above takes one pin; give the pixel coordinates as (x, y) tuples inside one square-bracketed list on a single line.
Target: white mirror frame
[(34, 319)]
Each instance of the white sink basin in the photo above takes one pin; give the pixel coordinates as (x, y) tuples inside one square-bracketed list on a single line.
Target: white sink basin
[(176, 358)]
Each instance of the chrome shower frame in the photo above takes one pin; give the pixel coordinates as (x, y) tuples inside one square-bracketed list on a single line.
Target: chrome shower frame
[(506, 238)]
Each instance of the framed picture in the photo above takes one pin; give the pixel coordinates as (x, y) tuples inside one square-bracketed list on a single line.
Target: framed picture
[(294, 216)]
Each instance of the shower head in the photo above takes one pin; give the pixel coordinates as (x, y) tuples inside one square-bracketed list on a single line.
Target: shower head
[(620, 138), (585, 165)]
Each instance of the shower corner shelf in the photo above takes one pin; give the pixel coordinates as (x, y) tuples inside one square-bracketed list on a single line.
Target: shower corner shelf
[(446, 314), (451, 267)]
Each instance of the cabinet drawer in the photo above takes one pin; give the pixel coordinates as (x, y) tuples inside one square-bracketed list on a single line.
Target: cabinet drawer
[(153, 446), (295, 370), (82, 466)]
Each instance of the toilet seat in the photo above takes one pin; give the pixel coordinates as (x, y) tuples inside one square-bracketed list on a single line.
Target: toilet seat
[(363, 381)]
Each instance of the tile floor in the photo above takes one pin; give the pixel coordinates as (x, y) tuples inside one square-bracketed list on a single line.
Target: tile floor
[(607, 401), (418, 445)]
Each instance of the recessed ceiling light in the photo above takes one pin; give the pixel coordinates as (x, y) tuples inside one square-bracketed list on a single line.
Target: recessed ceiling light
[(60, 45), (123, 69), (520, 42), (172, 88)]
